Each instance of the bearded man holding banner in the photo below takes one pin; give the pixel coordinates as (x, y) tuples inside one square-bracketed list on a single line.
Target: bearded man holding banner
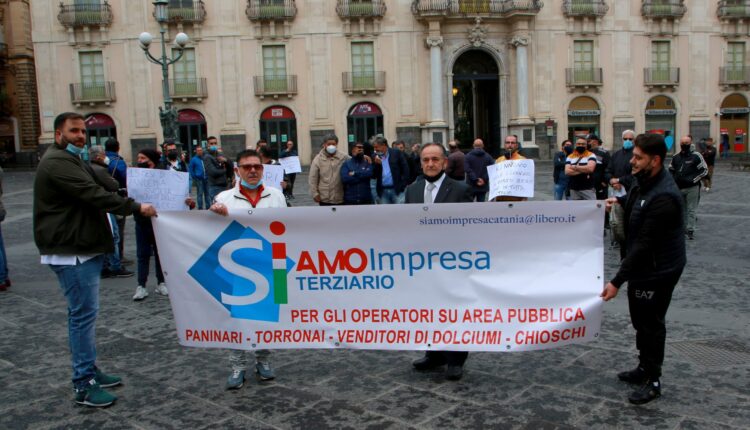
[(248, 194), (653, 263), (434, 186)]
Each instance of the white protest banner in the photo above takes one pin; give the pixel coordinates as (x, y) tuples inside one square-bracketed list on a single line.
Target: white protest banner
[(291, 164), (165, 189), (511, 178), (485, 277), (273, 174)]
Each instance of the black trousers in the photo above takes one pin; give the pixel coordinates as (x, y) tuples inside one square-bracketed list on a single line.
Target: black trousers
[(451, 358), (648, 302), (121, 227)]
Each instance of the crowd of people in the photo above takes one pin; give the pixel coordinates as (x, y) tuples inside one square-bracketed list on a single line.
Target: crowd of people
[(80, 210)]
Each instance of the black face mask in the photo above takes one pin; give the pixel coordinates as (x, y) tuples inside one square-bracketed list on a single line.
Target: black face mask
[(568, 150), (359, 157), (143, 165), (580, 149), (172, 155), (433, 178), (508, 155), (588, 146), (685, 148)]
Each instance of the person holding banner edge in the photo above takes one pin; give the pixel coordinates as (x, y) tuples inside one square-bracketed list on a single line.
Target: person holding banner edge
[(72, 233), (434, 186), (654, 260), (248, 194)]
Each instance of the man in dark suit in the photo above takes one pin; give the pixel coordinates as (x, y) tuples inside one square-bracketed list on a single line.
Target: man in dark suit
[(391, 170), (436, 187)]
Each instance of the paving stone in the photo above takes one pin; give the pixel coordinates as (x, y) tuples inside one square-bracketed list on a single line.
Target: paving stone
[(410, 404), (624, 415), (339, 415)]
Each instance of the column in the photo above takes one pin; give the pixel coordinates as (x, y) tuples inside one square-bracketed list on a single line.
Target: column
[(522, 75), (435, 44)]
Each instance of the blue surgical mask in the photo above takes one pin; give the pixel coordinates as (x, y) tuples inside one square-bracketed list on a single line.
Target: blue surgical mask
[(250, 186), (212, 148), (627, 144), (331, 149), (74, 150)]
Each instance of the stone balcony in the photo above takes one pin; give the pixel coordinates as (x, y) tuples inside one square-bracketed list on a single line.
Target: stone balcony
[(661, 78), (583, 79), (84, 15), (92, 93), (660, 9), (584, 8), (188, 89), (363, 82), (275, 86), (475, 8)]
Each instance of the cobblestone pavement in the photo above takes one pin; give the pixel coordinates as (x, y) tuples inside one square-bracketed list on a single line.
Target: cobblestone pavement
[(706, 377)]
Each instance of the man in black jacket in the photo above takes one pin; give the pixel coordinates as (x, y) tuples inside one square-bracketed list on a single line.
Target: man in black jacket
[(72, 233), (391, 170), (688, 168), (436, 187), (654, 259)]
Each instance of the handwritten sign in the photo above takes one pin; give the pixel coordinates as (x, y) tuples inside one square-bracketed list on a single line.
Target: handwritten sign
[(512, 178), (291, 164), (165, 189), (273, 174)]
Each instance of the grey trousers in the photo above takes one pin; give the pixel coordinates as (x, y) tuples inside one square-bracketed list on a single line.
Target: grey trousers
[(691, 196), (238, 357), (583, 194)]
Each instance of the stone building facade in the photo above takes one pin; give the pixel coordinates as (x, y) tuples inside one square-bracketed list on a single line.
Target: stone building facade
[(19, 107), (418, 71)]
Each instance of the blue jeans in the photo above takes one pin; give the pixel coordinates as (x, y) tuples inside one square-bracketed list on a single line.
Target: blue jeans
[(389, 197), (214, 190), (145, 246), (203, 197), (3, 260), (560, 191), (112, 260), (80, 285), (374, 191)]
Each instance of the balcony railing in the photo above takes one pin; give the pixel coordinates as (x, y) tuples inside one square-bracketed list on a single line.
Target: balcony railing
[(100, 92), (192, 88), (195, 14), (663, 8), (668, 76), (733, 9), (80, 15), (275, 85), (584, 8), (583, 77), (270, 10), (363, 81), (360, 8), (462, 8), (734, 76)]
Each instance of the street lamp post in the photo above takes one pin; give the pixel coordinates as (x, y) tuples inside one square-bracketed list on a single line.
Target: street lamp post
[(167, 114)]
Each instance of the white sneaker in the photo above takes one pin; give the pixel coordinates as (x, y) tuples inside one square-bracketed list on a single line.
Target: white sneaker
[(708, 189), (162, 289), (140, 293)]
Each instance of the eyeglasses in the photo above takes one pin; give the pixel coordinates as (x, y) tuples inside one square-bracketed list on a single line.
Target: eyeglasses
[(250, 167)]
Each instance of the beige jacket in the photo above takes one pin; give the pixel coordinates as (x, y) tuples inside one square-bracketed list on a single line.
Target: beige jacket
[(325, 177)]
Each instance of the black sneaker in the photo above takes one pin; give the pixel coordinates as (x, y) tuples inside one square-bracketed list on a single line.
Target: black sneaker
[(636, 376), (106, 274), (651, 390), (122, 273), (690, 234)]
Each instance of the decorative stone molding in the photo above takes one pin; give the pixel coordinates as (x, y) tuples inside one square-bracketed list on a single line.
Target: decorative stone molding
[(477, 33), (434, 41), (517, 41)]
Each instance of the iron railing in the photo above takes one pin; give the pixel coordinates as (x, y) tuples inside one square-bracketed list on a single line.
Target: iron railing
[(585, 8), (663, 8), (363, 81), (360, 8), (271, 10), (734, 75), (194, 88), (583, 77), (92, 92), (275, 85), (733, 9), (80, 15), (475, 7), (661, 75), (196, 13)]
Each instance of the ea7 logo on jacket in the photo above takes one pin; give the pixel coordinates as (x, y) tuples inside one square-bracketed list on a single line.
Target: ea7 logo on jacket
[(245, 272)]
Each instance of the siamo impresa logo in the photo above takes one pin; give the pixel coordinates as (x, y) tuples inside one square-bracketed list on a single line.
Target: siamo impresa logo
[(245, 272)]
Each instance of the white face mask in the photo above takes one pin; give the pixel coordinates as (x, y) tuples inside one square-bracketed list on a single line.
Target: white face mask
[(331, 149), (106, 161)]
